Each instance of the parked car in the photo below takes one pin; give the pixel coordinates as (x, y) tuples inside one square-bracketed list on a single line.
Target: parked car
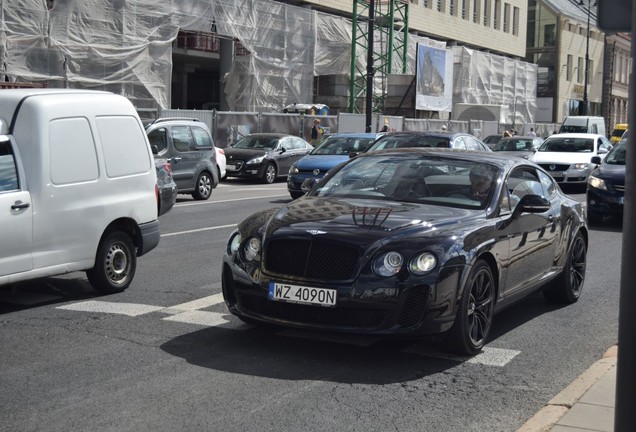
[(583, 124), (491, 140), (394, 242), (221, 162), (520, 146), (188, 145), (334, 149), (606, 185), (265, 156), (454, 140), (166, 187), (568, 157), (617, 132)]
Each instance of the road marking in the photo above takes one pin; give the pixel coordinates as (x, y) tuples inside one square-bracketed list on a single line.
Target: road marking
[(228, 200), (130, 309), (488, 356), (197, 230), (201, 303), (202, 318)]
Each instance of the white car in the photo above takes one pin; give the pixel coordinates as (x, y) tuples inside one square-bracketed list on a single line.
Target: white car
[(568, 156), (220, 162)]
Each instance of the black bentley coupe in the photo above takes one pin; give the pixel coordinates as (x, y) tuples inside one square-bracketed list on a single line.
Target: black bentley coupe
[(410, 242)]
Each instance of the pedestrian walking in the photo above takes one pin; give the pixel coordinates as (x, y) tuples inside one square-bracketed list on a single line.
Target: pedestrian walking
[(532, 133)]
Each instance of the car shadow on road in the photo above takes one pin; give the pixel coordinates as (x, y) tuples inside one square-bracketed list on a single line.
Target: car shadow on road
[(268, 352), (45, 291)]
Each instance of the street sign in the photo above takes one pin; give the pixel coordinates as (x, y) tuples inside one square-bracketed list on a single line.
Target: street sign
[(615, 15)]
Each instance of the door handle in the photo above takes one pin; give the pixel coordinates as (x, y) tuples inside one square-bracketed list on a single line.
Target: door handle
[(19, 205), (176, 159)]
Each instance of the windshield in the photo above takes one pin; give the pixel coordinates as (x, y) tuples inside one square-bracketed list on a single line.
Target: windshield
[(617, 154), (257, 142), (335, 145), (568, 145), (438, 180), (415, 140), (513, 144)]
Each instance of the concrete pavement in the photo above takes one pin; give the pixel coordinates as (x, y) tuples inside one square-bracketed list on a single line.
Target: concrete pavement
[(586, 405)]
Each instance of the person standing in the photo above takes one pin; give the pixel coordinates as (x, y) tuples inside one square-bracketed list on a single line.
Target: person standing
[(532, 133), (316, 132)]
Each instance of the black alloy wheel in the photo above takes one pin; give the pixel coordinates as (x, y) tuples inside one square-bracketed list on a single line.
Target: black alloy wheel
[(568, 286), (475, 312)]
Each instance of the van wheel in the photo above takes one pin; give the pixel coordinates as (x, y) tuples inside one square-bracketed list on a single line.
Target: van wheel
[(115, 263), (203, 188)]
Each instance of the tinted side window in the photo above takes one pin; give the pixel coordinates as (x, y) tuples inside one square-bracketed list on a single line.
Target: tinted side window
[(182, 138), (201, 138), (548, 184), (8, 171), (158, 138)]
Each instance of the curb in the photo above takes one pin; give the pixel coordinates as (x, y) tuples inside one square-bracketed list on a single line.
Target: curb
[(559, 405)]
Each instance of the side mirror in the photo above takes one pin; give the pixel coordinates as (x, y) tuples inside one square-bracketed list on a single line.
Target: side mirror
[(308, 184), (531, 204), (353, 154), (596, 160), (282, 150), (602, 151)]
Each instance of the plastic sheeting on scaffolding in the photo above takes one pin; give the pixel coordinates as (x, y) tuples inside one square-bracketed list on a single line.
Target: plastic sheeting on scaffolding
[(126, 47)]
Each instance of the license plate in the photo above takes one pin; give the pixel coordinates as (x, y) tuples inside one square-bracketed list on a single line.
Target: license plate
[(301, 294), (230, 167), (556, 173)]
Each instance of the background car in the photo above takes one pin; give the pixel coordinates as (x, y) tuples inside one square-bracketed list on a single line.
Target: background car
[(264, 156), (221, 162), (491, 140), (520, 146), (189, 147), (333, 149), (617, 132), (392, 242), (606, 185), (568, 157), (166, 187), (457, 140)]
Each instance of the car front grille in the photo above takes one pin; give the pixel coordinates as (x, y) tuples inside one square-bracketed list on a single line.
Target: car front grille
[(310, 259), (619, 188), (554, 167), (326, 316), (413, 307)]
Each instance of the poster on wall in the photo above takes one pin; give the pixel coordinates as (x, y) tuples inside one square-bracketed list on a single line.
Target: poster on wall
[(434, 77)]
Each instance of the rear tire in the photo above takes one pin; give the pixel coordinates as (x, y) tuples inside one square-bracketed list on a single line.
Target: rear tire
[(568, 286), (115, 263), (203, 186)]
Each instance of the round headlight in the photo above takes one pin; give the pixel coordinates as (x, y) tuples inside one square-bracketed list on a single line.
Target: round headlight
[(252, 248), (234, 243), (388, 264), (423, 263)]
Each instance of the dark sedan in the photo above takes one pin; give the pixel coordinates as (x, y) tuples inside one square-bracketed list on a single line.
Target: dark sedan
[(166, 187), (606, 185), (410, 242), (454, 140), (264, 156)]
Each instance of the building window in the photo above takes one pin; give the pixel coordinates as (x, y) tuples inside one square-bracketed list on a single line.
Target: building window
[(580, 70), (515, 21), (453, 7), (568, 71), (464, 9), (476, 9), (506, 18), (487, 6), (497, 16), (441, 4)]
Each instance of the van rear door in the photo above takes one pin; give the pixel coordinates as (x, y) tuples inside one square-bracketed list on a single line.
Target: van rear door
[(16, 213)]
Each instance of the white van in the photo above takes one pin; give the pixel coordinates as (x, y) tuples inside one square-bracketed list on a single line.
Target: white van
[(78, 188), (583, 124)]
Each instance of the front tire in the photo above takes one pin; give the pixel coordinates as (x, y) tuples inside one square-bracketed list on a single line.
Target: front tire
[(568, 286), (475, 312), (115, 263), (269, 176), (203, 187)]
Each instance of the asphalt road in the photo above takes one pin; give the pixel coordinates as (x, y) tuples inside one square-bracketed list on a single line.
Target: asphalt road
[(165, 355)]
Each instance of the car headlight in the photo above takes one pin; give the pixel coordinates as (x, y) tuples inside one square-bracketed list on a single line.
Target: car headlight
[(256, 160), (581, 166), (252, 248), (293, 170), (597, 183), (388, 264), (234, 243), (422, 263)]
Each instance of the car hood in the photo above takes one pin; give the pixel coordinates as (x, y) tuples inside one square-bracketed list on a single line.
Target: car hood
[(321, 162), (244, 154), (615, 173), (367, 220), (562, 157), (521, 154)]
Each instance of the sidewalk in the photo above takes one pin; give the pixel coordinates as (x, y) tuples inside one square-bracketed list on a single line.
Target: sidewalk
[(586, 405)]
